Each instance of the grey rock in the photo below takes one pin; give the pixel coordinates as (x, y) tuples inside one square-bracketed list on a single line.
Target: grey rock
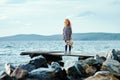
[(48, 74), (91, 61), (77, 70), (55, 65), (99, 62), (112, 55), (28, 67), (61, 63), (111, 65), (4, 76), (119, 58), (42, 74), (60, 75), (81, 69), (91, 70), (34, 63), (38, 62), (19, 73), (115, 56), (99, 59), (118, 54), (9, 68), (73, 73), (102, 75)]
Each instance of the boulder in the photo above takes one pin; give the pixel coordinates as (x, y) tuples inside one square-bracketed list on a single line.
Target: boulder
[(28, 67), (112, 65), (112, 55), (77, 70), (54, 73), (119, 58), (4, 76), (102, 75), (61, 63), (9, 68), (91, 70), (55, 65), (99, 59), (38, 62), (91, 61), (73, 73), (115, 55), (42, 74), (118, 54), (19, 73), (95, 62), (60, 74), (34, 63), (81, 70)]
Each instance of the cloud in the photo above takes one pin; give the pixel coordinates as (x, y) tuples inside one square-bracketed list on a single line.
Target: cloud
[(8, 2), (2, 2), (3, 17), (116, 2), (21, 23), (15, 1), (86, 14)]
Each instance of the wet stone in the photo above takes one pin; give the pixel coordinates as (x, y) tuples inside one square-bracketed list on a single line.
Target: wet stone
[(28, 67), (9, 68), (42, 74), (77, 70), (112, 55), (19, 73), (4, 76), (112, 65), (102, 75), (38, 62), (34, 63), (91, 61)]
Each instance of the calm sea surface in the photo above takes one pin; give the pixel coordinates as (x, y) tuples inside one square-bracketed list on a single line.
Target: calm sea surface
[(10, 50)]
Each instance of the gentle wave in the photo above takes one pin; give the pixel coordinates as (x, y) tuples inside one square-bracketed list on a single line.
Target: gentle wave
[(10, 50)]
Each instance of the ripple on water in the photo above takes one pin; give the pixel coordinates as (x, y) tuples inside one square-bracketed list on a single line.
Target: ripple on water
[(10, 50)]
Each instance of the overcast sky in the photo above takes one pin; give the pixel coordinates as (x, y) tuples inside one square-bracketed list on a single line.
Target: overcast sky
[(45, 17)]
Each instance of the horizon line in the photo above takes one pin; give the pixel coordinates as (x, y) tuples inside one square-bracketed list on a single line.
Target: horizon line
[(61, 34)]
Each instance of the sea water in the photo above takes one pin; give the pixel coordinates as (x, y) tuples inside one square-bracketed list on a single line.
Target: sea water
[(10, 50)]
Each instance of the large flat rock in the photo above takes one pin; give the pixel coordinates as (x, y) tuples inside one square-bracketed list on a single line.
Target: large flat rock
[(56, 53)]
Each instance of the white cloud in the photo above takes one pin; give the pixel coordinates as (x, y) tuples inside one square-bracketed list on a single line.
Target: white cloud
[(3, 17), (115, 2), (21, 23), (28, 24), (2, 2)]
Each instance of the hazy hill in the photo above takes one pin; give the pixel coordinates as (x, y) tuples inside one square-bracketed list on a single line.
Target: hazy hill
[(97, 36), (76, 36)]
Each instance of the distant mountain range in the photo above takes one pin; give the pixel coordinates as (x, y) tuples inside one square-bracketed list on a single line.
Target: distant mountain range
[(76, 36)]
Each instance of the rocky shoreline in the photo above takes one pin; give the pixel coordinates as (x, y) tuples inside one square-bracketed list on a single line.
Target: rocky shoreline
[(38, 68)]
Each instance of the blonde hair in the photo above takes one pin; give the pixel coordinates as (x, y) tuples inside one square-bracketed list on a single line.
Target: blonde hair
[(67, 22)]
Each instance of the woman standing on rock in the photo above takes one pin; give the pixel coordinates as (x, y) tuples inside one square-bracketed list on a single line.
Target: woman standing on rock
[(67, 35)]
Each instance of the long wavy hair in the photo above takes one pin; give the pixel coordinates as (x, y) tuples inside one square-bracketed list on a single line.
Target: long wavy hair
[(67, 23)]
